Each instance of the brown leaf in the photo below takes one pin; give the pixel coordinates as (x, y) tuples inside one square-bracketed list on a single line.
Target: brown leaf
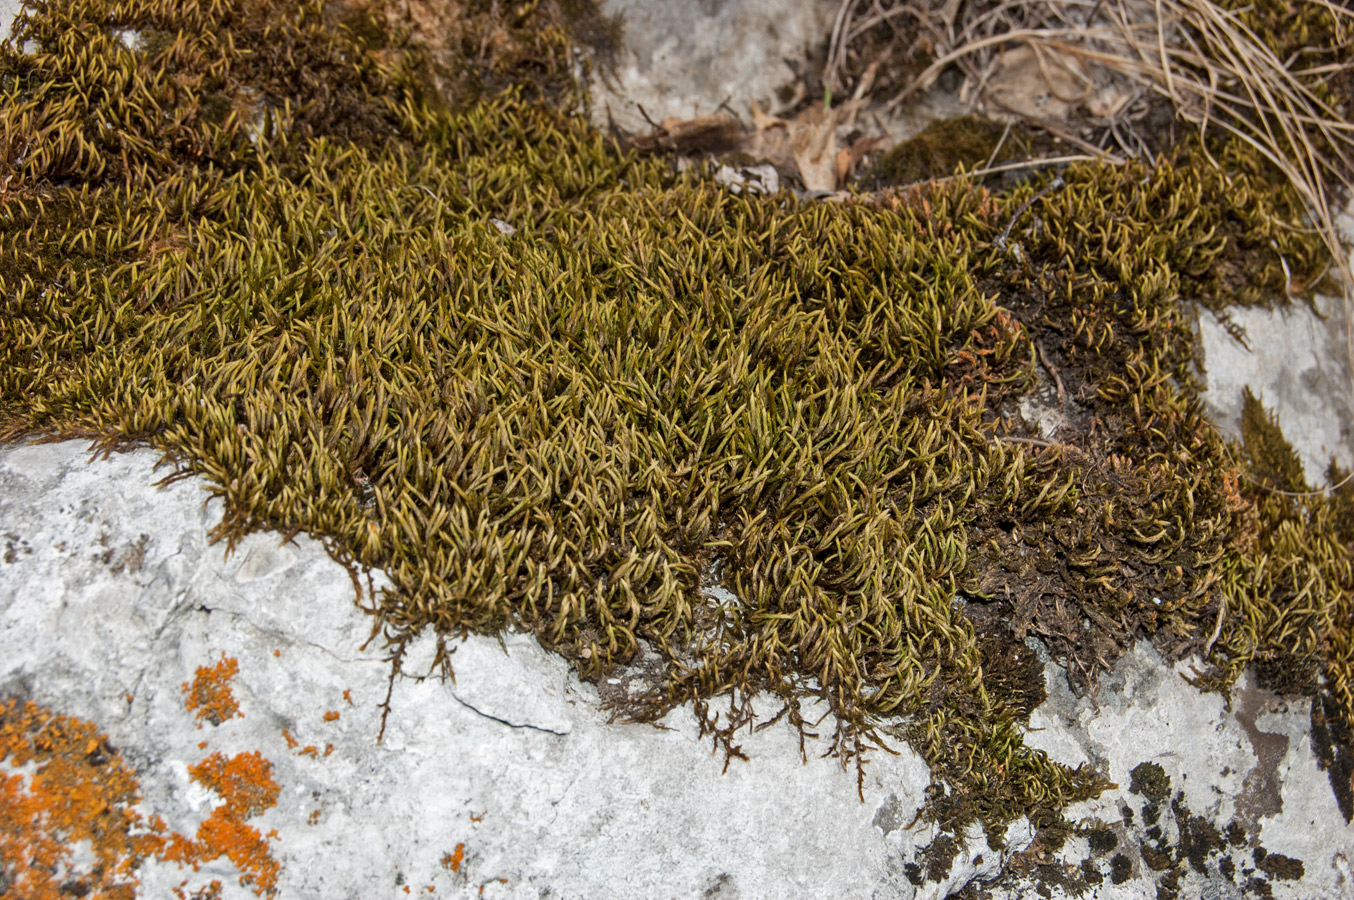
[(813, 143), (764, 120), (848, 158), (718, 133)]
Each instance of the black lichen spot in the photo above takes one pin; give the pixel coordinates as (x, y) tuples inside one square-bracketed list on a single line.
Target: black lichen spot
[(1236, 834), (1121, 868), (1227, 868), (1156, 858), (1168, 888), (914, 874), (1102, 840), (1090, 872), (939, 856), (1276, 865), (1151, 781)]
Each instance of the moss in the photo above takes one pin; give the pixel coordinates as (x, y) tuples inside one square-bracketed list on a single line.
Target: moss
[(939, 857), (1272, 459), (947, 144), (652, 384), (1332, 743), (1199, 838)]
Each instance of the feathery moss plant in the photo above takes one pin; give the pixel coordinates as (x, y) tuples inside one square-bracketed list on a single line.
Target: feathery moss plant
[(574, 427)]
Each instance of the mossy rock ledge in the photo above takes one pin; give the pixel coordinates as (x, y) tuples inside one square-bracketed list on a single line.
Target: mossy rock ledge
[(906, 505)]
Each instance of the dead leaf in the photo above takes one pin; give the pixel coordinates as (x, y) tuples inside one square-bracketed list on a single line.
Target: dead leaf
[(848, 158), (813, 144), (763, 121), (1038, 83), (718, 133)]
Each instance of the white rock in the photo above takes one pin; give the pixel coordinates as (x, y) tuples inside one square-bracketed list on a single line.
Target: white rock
[(1250, 762), (1297, 364), (108, 588), (685, 60)]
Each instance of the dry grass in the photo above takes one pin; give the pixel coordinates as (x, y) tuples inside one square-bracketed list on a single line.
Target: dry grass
[(1219, 69)]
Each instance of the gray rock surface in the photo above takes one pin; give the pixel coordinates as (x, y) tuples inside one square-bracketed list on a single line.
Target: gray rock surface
[(1296, 362), (109, 590), (1248, 763), (685, 60), (8, 10)]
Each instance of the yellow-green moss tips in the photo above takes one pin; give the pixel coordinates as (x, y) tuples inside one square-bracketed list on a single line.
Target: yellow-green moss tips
[(650, 382)]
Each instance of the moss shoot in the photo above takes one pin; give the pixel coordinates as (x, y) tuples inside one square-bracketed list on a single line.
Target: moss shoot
[(548, 384)]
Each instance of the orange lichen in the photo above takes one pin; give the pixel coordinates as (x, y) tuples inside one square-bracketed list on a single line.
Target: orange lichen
[(453, 860), (348, 695), (313, 818), (244, 846), (310, 750), (80, 792), (244, 781), (209, 694), (292, 743), (328, 749), (211, 891), (479, 818), (331, 716)]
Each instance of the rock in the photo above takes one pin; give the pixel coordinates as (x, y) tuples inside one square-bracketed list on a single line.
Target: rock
[(8, 10), (1296, 361), (684, 60), (510, 777), (1205, 790), (112, 600)]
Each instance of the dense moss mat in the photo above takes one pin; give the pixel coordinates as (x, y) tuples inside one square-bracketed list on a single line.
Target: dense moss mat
[(547, 384)]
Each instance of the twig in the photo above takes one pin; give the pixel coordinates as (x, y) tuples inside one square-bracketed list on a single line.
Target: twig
[(1052, 370), (1005, 132), (1217, 626), (1052, 185)]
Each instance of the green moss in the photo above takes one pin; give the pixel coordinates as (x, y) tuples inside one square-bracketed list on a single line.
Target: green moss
[(1271, 457), (574, 429)]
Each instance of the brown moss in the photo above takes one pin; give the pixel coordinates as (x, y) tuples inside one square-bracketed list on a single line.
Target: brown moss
[(945, 145), (1150, 781), (1272, 459)]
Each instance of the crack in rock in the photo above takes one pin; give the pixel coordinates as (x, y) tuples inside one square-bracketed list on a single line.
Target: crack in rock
[(519, 725)]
